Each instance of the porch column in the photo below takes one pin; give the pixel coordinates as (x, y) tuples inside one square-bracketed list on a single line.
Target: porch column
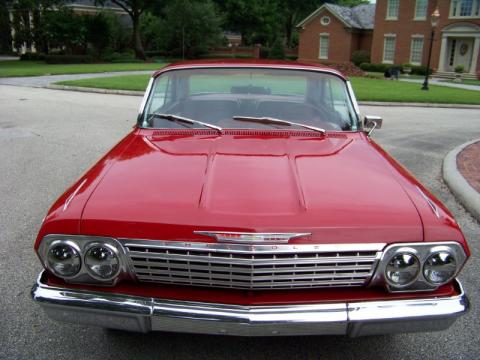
[(476, 49), (443, 53)]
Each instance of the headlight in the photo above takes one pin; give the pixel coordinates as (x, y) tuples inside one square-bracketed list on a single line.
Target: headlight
[(440, 267), (402, 269), (102, 261), (64, 259)]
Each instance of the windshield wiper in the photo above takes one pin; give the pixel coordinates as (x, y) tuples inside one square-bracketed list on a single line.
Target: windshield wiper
[(272, 120), (186, 120)]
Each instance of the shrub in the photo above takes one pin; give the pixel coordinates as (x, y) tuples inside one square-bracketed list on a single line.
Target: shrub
[(420, 70), (117, 57), (360, 57), (375, 67), (277, 50), (459, 69), (346, 68), (68, 59), (32, 56)]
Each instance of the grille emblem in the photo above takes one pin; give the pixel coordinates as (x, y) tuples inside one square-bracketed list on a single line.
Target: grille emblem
[(252, 238)]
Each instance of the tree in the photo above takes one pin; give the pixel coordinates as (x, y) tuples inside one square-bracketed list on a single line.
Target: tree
[(98, 32), (191, 27), (5, 33), (134, 8)]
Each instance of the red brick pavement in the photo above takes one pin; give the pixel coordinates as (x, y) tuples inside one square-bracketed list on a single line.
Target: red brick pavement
[(468, 163)]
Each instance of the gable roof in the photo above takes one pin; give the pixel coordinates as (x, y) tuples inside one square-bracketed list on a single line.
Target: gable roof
[(358, 17)]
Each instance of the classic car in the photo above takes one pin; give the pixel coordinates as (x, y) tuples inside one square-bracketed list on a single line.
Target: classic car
[(251, 200)]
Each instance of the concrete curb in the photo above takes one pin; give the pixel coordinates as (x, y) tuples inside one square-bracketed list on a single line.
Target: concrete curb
[(95, 90), (459, 186), (424, 105)]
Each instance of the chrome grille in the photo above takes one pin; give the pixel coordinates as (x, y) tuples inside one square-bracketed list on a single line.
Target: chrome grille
[(252, 266)]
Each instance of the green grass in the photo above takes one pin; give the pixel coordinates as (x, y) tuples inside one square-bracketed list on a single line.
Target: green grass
[(37, 68), (366, 89), (125, 82), (399, 91)]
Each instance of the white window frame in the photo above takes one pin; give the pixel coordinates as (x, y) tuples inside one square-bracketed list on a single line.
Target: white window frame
[(389, 7), (417, 7), (323, 36), (456, 7), (385, 37), (414, 38)]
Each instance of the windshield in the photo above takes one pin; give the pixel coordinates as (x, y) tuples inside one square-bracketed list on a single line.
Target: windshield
[(221, 97)]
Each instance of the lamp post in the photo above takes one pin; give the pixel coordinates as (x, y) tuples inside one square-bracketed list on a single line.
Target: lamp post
[(434, 21)]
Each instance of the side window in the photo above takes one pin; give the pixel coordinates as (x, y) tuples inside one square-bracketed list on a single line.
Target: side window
[(340, 101), (160, 95)]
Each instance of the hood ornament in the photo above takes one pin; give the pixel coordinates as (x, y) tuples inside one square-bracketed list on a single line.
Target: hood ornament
[(251, 238)]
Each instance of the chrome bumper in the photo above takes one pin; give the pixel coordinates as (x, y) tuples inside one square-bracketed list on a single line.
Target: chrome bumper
[(342, 318)]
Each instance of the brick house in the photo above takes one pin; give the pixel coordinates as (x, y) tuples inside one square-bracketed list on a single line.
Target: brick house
[(332, 33), (401, 34)]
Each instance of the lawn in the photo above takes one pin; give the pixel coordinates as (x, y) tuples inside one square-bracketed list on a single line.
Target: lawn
[(37, 68), (366, 89)]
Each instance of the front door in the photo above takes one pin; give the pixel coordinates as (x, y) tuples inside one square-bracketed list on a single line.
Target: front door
[(461, 50)]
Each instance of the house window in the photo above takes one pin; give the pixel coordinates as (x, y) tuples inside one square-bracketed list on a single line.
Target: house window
[(421, 9), (325, 20), (389, 49), (392, 9), (416, 50), (324, 44), (465, 8)]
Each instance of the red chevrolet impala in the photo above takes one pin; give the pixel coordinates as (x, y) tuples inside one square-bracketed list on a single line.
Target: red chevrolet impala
[(250, 200)]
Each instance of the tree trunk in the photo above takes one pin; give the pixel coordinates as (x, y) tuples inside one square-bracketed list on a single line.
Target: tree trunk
[(289, 30), (136, 39)]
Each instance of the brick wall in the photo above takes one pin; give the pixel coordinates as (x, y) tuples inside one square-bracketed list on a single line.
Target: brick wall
[(340, 48), (406, 26)]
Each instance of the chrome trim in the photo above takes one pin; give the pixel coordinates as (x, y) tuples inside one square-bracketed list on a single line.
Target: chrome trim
[(430, 203), (353, 98), (341, 318), (73, 194), (422, 251), (82, 243), (277, 237), (145, 98), (253, 266)]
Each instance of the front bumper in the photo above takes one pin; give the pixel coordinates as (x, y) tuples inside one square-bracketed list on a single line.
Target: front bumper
[(340, 318)]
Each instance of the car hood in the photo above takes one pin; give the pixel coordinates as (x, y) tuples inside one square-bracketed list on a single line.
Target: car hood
[(166, 185)]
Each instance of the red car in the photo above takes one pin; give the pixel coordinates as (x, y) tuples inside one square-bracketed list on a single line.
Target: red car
[(250, 200)]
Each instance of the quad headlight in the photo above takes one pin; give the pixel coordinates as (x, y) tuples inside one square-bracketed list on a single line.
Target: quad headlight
[(102, 261), (84, 259), (440, 267), (64, 259), (402, 269), (418, 266)]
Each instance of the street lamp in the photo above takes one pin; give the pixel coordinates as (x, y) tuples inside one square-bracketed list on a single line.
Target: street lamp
[(434, 21)]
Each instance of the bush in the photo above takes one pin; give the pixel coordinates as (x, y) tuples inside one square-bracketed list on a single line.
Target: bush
[(375, 67), (277, 50), (459, 69), (122, 57), (68, 59), (264, 51), (32, 56), (420, 70), (360, 57)]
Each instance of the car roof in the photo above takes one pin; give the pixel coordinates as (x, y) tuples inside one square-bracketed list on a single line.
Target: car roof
[(228, 63)]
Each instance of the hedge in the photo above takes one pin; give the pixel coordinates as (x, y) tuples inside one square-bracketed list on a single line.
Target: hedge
[(416, 70), (32, 56), (68, 59)]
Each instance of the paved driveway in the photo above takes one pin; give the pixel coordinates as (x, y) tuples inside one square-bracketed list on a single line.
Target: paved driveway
[(49, 138)]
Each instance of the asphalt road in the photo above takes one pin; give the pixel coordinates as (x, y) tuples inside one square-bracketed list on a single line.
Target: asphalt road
[(49, 138)]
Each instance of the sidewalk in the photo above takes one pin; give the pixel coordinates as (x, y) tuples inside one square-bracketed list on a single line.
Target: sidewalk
[(461, 172), (441, 82)]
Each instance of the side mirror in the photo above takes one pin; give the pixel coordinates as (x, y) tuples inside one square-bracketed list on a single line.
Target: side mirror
[(371, 123)]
